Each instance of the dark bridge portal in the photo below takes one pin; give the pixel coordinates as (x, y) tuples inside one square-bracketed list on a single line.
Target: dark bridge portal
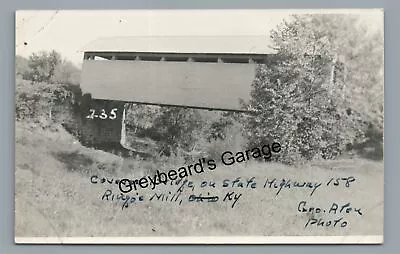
[(197, 72)]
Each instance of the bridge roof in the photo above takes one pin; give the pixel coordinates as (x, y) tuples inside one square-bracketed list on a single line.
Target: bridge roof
[(249, 45)]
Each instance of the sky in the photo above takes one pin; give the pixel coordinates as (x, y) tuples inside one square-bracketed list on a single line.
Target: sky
[(68, 31)]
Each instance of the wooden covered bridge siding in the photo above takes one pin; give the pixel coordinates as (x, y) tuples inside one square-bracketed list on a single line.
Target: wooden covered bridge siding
[(218, 80), (192, 84)]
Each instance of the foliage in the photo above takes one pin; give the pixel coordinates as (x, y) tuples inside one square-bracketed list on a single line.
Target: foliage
[(309, 99), (141, 117), (47, 67), (21, 65), (223, 134), (173, 128), (53, 92), (182, 132), (38, 102), (66, 73), (42, 66)]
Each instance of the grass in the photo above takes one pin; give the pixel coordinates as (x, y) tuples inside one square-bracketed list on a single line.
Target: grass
[(54, 196)]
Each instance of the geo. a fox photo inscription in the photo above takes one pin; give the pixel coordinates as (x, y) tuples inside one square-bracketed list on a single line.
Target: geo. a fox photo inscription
[(199, 126)]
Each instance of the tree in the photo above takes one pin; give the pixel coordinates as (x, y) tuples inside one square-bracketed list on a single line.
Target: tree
[(309, 99), (42, 66), (66, 73), (174, 129)]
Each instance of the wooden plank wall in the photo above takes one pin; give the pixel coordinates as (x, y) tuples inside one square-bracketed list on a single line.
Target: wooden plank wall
[(195, 84)]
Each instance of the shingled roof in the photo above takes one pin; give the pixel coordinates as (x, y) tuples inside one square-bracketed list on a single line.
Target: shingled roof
[(183, 44)]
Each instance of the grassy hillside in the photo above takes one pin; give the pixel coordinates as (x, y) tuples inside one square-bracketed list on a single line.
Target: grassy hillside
[(54, 196)]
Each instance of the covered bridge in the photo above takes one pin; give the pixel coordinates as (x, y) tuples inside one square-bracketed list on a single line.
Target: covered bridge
[(205, 72)]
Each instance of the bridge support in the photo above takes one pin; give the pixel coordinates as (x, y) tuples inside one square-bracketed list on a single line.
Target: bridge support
[(102, 124)]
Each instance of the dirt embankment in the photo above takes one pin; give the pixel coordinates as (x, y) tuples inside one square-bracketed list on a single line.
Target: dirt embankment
[(54, 195)]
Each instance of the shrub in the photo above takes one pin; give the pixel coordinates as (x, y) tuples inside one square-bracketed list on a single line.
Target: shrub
[(43, 103), (42, 66), (173, 128)]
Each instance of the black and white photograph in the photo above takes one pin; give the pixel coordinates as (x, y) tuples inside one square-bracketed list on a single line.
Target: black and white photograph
[(218, 126)]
